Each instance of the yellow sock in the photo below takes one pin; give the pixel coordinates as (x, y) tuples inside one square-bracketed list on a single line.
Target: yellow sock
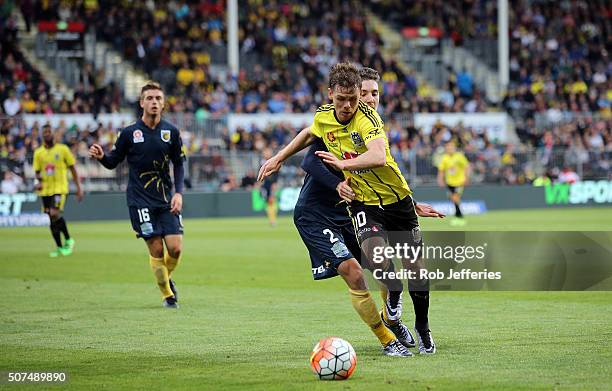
[(271, 212), (170, 262), (366, 308), (161, 275), (384, 294)]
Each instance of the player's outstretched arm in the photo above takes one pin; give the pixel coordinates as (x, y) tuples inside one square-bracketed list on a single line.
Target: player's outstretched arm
[(374, 157), (114, 157), (272, 165)]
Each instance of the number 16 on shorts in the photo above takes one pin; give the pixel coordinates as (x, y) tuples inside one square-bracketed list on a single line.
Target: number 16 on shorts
[(144, 218)]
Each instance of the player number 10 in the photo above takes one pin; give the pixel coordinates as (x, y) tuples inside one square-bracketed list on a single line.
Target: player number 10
[(143, 215)]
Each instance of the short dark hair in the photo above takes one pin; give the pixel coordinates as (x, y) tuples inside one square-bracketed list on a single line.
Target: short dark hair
[(46, 126), (369, 74), (150, 85), (344, 74)]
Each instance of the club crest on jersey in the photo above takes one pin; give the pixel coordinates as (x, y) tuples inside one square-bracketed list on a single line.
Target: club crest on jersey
[(138, 136), (330, 136), (357, 140), (165, 135)]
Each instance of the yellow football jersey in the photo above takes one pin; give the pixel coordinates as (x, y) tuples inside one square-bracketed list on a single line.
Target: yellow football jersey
[(453, 166), (52, 163), (378, 186)]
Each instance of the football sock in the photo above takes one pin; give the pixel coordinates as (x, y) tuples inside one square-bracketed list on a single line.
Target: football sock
[(271, 212), (384, 292), (63, 228), (458, 211), (170, 262), (55, 232), (419, 293), (392, 295), (161, 275), (366, 308)]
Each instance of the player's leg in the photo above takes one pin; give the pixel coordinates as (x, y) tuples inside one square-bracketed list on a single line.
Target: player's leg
[(271, 207), (53, 213), (363, 303), (172, 230), (146, 224), (155, 245), (371, 235), (455, 197), (172, 256), (330, 256), (402, 218), (62, 225)]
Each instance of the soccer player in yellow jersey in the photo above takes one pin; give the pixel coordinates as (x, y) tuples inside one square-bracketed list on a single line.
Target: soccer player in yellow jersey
[(51, 162), (354, 136), (454, 172)]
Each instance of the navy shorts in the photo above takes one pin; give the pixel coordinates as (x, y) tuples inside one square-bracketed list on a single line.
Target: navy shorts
[(151, 222), (330, 239)]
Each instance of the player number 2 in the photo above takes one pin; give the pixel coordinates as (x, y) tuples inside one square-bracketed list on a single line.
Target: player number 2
[(332, 238), (143, 215), (361, 219)]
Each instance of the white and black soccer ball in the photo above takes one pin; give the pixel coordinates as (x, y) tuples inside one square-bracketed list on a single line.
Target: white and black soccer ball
[(333, 359)]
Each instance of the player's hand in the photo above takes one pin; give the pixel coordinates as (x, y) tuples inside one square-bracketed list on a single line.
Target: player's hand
[(426, 210), (441, 183), (176, 203), (79, 194), (331, 159), (271, 166), (96, 152), (344, 190), (38, 186)]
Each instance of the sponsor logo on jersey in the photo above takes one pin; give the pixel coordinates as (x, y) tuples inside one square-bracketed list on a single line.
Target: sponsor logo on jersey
[(165, 135), (138, 136)]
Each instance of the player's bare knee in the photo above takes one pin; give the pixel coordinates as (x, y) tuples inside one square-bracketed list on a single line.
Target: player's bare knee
[(175, 251)]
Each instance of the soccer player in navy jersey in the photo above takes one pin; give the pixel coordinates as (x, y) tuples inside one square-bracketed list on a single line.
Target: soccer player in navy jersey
[(150, 145)]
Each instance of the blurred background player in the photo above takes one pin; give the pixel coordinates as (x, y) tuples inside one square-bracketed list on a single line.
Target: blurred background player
[(268, 191), (50, 163), (454, 172), (150, 145)]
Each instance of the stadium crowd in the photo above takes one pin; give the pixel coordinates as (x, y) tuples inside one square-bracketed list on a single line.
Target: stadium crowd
[(584, 145), (286, 50), (559, 50)]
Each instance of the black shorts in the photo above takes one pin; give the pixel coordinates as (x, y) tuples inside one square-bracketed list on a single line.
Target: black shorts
[(399, 218), (151, 222), (455, 189), (330, 240), (55, 201)]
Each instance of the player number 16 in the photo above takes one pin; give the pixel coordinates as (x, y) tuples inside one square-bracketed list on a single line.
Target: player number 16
[(143, 215)]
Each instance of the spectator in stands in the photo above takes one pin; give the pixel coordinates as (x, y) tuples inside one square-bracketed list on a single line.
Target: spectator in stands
[(11, 183), (567, 175), (11, 105)]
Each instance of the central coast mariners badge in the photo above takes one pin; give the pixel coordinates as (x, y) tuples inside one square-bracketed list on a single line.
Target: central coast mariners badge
[(165, 135)]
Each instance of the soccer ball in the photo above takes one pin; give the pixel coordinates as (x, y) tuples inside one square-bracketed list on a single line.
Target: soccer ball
[(333, 359)]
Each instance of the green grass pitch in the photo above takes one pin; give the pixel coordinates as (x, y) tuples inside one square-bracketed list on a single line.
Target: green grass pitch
[(251, 314)]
